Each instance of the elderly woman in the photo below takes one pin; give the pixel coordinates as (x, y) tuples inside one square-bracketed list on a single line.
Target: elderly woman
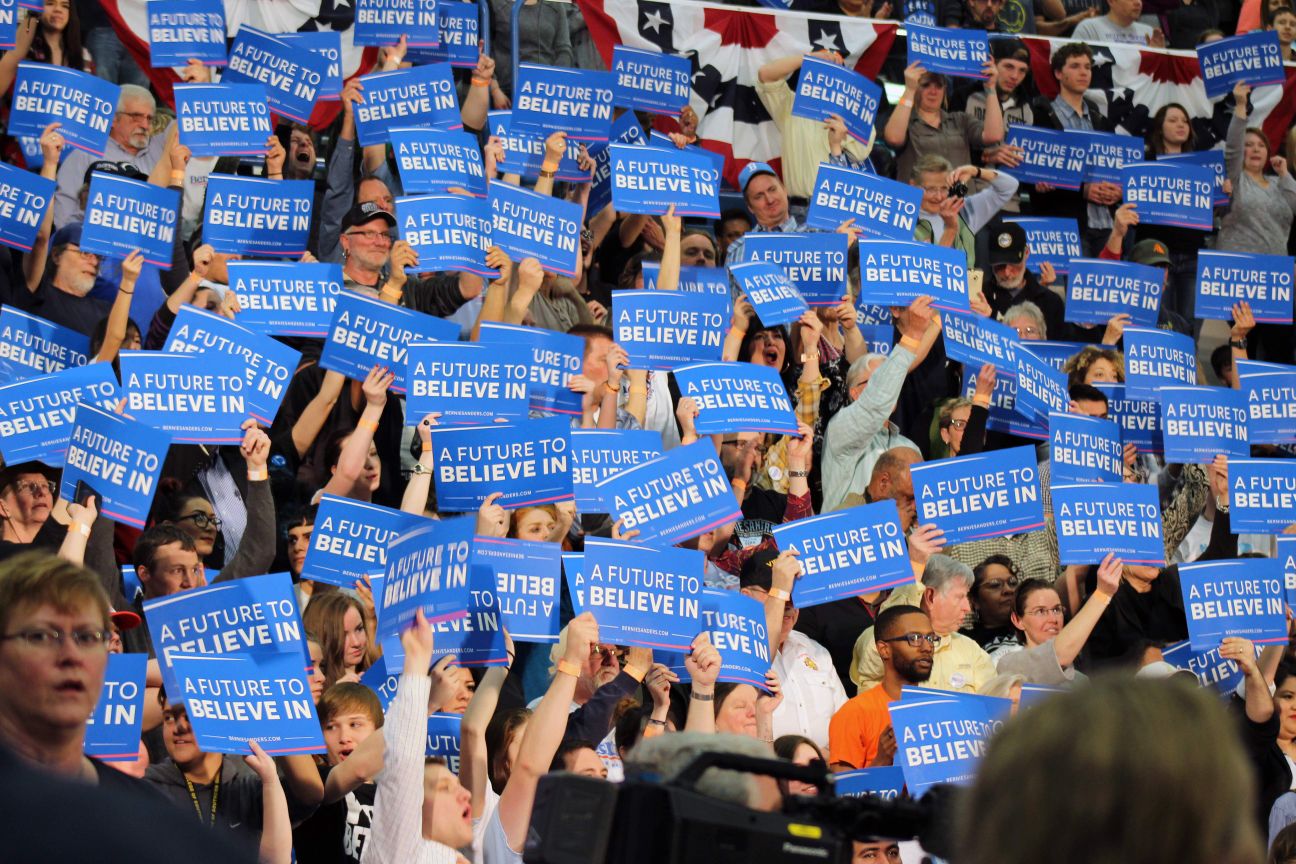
[(1027, 319), (27, 495)]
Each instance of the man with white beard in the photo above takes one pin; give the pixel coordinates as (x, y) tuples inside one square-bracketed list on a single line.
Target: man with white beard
[(62, 296), (1008, 281)]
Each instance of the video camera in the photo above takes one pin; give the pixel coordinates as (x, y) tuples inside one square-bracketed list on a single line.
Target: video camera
[(579, 820)]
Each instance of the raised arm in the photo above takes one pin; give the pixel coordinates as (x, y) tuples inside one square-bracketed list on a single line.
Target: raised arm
[(703, 665), (896, 133), (1068, 643), (1259, 701), (276, 826), (474, 767), (418, 486), (668, 275), (119, 314), (476, 104), (777, 70), (312, 418), (495, 302), (346, 480), (51, 144), (256, 551), (555, 148)]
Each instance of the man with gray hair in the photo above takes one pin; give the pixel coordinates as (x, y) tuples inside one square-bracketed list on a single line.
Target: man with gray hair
[(958, 663), (862, 431), (129, 141)]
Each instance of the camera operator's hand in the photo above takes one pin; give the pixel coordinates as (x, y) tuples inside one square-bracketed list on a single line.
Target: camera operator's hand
[(886, 749)]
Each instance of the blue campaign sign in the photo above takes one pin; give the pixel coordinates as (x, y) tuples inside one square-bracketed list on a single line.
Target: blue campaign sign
[(236, 698), (1041, 389), (696, 280), (223, 119), (941, 736), (122, 215), (548, 99), (1199, 423), (880, 207), (1056, 354), (1097, 519), (1238, 597), (443, 736), (1169, 193), (668, 329), (1098, 290), (1286, 555), (83, 103), (197, 398), (31, 346), (555, 358), (256, 216), (1107, 153), (467, 382), (1262, 495), (420, 97), (772, 295), (24, 197), (292, 77), (735, 624), (626, 130), (437, 160), (270, 363), (976, 340), (1212, 159), (683, 494), (1048, 156), (1212, 670), (525, 579), (815, 262), (737, 397), (285, 298), (525, 153), (649, 81), (597, 454), (257, 615), (885, 782), (825, 88), (119, 458), (477, 638), (894, 273), (350, 539), (643, 595), (327, 44), (526, 461), (1004, 416), (1139, 418), (664, 142), (112, 733), (1253, 58), (382, 682), (458, 25), (428, 569), (448, 232), (574, 575), (1050, 239), (949, 51), (847, 552), (1084, 449), (991, 494), (8, 23), (36, 414), (366, 332), (530, 225), (652, 179), (1264, 281), (180, 30), (384, 22), (1156, 359), (1270, 390)]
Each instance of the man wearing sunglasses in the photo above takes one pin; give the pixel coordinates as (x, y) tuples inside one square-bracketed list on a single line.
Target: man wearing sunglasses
[(860, 734)]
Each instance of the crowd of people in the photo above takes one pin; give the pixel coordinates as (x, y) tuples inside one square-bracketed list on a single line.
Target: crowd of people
[(980, 617)]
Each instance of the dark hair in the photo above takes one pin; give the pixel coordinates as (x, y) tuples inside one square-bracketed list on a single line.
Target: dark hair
[(1066, 52), (333, 449), (499, 735), (169, 501), (733, 213), (1024, 590), (1156, 137), (756, 328), (298, 516), (633, 267), (1221, 358), (73, 53), (885, 626), (785, 746), (155, 538), (629, 723), (1286, 669), (979, 571), (1206, 34), (1086, 393), (1267, 14), (566, 748), (591, 331), (101, 333), (1009, 48), (1283, 848)]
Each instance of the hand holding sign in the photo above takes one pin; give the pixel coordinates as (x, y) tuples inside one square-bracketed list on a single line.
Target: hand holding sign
[(703, 664), (416, 640), (1241, 651)]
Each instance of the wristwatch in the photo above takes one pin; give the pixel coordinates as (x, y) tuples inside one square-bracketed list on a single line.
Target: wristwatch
[(1239, 344), (420, 469)]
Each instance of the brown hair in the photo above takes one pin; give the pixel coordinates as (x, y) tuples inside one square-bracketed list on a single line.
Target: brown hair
[(1077, 366), (349, 697), (36, 579), (324, 617)]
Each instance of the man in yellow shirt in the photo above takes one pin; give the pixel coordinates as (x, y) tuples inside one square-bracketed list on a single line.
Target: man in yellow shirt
[(958, 663)]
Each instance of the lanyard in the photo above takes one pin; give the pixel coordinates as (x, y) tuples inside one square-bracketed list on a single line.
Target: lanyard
[(193, 796)]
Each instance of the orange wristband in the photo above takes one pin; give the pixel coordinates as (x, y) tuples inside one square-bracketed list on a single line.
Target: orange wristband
[(480, 82), (566, 667), (633, 671), (371, 425)]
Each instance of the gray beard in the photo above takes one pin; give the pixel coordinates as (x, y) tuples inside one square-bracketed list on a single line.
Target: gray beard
[(77, 285)]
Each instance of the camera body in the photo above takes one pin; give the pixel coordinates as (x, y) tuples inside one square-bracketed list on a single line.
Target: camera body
[(958, 189)]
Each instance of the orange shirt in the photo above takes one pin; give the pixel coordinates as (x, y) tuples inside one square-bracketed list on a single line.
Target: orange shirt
[(856, 728)]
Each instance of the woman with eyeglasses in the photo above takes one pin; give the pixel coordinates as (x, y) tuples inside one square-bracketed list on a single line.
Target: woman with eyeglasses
[(27, 496), (1049, 644), (192, 513), (994, 589)]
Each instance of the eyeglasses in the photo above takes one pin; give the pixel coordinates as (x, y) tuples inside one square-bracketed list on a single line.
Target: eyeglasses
[(137, 116), (34, 487), (49, 639), (957, 424), (916, 639), (201, 520), (371, 236), (1045, 611), (608, 652), (1023, 332), (998, 584), (89, 256)]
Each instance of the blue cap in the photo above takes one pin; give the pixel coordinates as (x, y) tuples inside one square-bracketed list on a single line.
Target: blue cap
[(750, 171), (69, 233)]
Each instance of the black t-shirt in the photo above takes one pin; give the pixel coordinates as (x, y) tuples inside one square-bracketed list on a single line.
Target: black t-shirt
[(81, 314), (990, 638), (337, 832)]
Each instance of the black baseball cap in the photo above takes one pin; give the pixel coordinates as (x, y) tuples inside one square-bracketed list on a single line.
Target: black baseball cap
[(121, 169), (366, 212), (1008, 245)]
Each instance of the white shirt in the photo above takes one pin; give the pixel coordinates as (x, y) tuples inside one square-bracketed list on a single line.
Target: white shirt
[(1103, 29), (812, 692)]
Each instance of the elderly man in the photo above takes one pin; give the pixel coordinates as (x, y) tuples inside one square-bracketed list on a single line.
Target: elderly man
[(1009, 282), (958, 663), (859, 433), (129, 141), (63, 294)]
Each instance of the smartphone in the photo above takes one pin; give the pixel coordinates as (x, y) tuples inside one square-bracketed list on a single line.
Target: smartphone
[(84, 492), (975, 278)]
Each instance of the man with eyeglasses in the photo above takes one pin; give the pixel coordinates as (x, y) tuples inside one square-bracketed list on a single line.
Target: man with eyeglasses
[(130, 140), (860, 734), (1009, 283), (63, 293), (958, 663)]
